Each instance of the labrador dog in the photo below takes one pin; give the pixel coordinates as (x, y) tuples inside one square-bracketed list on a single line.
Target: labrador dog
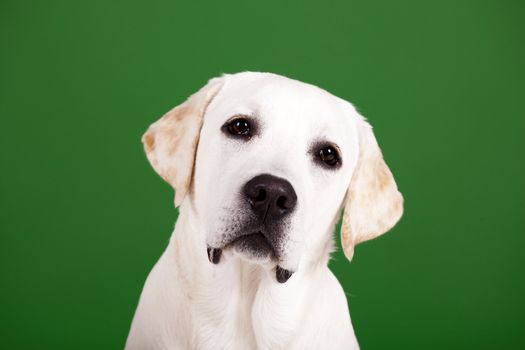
[(262, 166)]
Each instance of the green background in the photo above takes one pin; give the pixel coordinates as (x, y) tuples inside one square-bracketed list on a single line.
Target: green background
[(83, 217)]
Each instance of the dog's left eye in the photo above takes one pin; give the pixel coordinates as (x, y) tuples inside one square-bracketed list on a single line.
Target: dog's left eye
[(239, 127), (329, 155)]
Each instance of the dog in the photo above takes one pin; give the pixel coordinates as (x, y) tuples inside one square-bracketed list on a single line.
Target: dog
[(262, 166)]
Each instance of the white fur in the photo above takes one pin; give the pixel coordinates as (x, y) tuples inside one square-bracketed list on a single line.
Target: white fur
[(189, 303)]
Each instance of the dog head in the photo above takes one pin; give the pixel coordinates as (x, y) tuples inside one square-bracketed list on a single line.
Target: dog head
[(268, 162)]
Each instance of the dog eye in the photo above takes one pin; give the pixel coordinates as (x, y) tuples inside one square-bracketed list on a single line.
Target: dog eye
[(329, 156), (239, 127)]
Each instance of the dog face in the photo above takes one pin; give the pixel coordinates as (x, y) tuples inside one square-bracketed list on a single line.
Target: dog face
[(270, 162), (272, 196)]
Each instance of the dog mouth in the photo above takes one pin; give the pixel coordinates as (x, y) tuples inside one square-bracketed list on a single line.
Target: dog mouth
[(255, 246)]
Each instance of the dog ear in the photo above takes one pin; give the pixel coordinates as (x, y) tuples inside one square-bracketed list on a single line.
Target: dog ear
[(171, 142), (373, 205)]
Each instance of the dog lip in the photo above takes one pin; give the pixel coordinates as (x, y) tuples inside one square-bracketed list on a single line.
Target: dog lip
[(282, 275), (214, 255), (255, 242)]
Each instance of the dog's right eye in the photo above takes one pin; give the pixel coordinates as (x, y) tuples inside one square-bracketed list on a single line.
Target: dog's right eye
[(239, 127), (327, 155)]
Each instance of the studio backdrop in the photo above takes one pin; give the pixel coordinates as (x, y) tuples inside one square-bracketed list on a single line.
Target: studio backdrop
[(83, 217)]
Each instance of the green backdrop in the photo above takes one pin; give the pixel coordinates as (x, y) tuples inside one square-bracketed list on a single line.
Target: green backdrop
[(83, 217)]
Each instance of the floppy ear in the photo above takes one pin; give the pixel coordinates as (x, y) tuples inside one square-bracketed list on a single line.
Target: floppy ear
[(171, 141), (373, 205)]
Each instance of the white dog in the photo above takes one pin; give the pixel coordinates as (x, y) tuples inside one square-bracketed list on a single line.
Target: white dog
[(261, 166)]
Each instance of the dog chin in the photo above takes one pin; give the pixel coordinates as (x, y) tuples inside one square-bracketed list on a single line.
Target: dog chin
[(253, 247)]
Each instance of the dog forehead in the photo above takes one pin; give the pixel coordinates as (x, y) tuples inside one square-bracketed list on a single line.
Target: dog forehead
[(270, 96)]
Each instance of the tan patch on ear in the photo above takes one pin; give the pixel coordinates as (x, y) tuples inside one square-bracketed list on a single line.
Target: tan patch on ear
[(174, 135), (181, 112), (384, 177), (373, 204), (170, 143), (149, 142), (346, 237)]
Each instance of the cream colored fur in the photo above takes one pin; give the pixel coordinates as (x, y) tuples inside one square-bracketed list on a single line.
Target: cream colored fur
[(189, 303)]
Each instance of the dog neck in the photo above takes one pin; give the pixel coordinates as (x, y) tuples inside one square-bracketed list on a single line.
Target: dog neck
[(235, 294)]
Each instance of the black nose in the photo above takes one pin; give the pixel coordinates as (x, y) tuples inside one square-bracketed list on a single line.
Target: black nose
[(270, 197)]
